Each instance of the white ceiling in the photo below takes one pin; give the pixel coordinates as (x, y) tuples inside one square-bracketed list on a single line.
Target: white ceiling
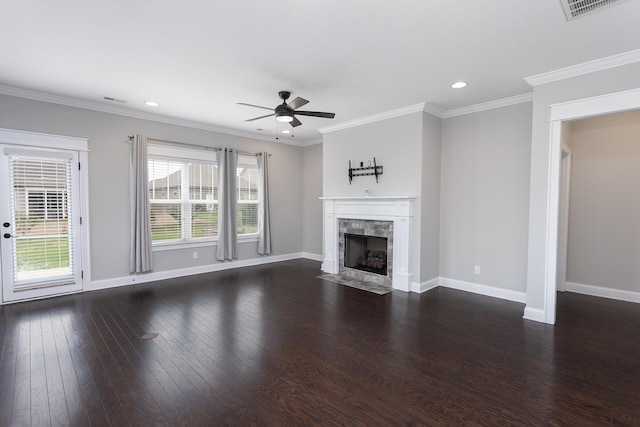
[(355, 58)]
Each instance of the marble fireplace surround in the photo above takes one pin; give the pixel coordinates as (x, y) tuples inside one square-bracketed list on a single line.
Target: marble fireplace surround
[(399, 210)]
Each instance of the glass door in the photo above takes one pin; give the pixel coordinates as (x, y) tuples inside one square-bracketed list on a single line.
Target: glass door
[(40, 223)]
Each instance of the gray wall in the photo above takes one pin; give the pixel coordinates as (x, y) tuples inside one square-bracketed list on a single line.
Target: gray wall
[(431, 171), (604, 207), (109, 180), (588, 85), (311, 204), (485, 197), (396, 143)]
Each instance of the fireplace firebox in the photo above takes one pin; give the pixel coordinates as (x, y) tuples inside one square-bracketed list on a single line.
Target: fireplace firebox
[(366, 253)]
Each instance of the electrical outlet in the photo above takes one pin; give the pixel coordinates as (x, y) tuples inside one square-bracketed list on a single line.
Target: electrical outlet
[(195, 254), (476, 270)]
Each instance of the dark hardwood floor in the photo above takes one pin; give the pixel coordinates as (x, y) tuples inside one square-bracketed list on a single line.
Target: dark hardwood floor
[(273, 345)]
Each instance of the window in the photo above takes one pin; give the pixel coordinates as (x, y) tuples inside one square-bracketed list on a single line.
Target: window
[(247, 190), (183, 195)]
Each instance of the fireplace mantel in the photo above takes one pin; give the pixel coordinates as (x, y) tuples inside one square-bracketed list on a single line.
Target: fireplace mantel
[(398, 209)]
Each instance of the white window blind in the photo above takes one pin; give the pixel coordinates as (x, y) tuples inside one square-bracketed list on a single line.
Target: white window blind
[(183, 194), (183, 185), (41, 212), (247, 189)]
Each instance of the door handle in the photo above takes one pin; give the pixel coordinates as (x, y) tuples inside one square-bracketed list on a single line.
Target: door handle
[(7, 235)]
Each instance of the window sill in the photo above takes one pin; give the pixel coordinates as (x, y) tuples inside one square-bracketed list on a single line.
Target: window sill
[(160, 247)]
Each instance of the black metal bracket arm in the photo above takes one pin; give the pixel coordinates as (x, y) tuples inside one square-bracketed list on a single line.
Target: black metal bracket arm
[(374, 170)]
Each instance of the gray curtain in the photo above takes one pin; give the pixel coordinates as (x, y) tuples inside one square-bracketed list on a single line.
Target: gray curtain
[(264, 224), (227, 229), (141, 259)]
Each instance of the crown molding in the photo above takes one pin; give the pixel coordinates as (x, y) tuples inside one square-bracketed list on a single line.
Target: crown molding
[(489, 105), (434, 110), (374, 118), (585, 68), (136, 114), (311, 142)]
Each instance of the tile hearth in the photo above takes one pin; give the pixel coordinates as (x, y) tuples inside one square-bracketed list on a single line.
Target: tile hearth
[(376, 288)]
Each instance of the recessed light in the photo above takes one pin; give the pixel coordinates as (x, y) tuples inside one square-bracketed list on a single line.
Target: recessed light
[(152, 103), (459, 85), (286, 131)]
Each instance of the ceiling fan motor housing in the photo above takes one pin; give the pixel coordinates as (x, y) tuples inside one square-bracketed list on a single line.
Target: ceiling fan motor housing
[(284, 95), (283, 110)]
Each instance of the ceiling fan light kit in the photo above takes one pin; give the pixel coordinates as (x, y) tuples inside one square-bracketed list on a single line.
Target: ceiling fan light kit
[(284, 118), (286, 113)]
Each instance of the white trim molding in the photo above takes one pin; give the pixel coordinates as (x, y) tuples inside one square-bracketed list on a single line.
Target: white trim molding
[(130, 112), (490, 291), (490, 105), (593, 106), (189, 271), (425, 286), (596, 105), (399, 210), (598, 291), (374, 118), (31, 139), (585, 68), (534, 314), (311, 256)]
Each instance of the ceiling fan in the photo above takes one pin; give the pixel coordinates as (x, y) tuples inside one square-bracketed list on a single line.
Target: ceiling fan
[(287, 112)]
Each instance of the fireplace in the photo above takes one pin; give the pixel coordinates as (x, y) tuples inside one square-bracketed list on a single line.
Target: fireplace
[(366, 250), (383, 217), (366, 253)]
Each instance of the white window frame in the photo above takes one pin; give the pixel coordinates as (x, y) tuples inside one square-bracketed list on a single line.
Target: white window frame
[(186, 155), (183, 156)]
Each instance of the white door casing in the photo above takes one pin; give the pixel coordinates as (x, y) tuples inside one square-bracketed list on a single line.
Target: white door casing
[(42, 215)]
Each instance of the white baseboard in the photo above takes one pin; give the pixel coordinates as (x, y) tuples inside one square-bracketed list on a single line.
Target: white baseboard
[(170, 274), (598, 291), (534, 314), (490, 291), (425, 286), (313, 257)]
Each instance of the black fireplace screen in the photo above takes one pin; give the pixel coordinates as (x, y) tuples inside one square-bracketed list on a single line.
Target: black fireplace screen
[(366, 253)]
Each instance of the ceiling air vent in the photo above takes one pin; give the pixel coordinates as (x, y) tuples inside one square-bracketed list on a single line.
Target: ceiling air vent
[(576, 8)]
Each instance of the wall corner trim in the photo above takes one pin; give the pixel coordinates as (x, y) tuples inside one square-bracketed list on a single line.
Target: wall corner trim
[(535, 314), (311, 256), (425, 286)]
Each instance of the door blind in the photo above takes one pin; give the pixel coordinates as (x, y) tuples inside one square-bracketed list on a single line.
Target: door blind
[(41, 214)]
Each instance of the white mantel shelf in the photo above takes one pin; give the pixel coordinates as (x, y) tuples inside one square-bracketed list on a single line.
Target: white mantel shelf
[(398, 209)]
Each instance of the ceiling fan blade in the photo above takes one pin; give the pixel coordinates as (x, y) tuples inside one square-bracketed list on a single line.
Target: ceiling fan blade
[(297, 103), (261, 117), (295, 122), (316, 114), (252, 105)]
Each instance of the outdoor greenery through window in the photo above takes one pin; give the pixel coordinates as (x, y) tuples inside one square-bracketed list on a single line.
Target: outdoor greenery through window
[(183, 195)]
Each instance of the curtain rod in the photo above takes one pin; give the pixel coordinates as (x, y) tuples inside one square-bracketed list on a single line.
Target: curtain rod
[(199, 147)]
